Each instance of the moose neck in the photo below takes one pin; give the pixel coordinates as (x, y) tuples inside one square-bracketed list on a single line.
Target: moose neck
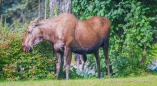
[(48, 30)]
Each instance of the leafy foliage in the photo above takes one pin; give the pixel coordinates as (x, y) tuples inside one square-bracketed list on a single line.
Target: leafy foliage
[(131, 34), (15, 64)]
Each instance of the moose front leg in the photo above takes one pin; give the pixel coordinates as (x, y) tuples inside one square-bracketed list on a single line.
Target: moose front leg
[(58, 64), (67, 57)]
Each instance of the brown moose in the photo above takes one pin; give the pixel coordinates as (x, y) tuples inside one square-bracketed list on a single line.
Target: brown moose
[(68, 34)]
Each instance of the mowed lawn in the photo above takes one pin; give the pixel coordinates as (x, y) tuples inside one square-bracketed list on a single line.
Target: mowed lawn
[(150, 80)]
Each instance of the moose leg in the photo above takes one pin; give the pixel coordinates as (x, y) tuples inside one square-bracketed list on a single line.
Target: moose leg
[(97, 61), (58, 64), (77, 56), (67, 55), (83, 60), (105, 49), (77, 64)]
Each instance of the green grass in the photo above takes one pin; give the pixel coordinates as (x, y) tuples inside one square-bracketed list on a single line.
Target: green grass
[(149, 80)]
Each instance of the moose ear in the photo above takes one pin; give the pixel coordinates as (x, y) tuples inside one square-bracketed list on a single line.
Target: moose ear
[(36, 21)]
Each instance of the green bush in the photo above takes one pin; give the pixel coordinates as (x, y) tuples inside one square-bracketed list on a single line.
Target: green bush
[(16, 64), (131, 34)]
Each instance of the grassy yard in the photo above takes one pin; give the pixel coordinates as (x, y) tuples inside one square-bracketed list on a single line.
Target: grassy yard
[(150, 80)]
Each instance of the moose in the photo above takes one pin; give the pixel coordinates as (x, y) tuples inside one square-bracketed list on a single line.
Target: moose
[(68, 34)]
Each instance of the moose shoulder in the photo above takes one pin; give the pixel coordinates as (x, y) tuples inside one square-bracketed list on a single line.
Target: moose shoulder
[(68, 34)]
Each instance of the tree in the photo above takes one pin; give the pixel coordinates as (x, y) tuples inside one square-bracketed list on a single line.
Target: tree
[(65, 6), (60, 6), (54, 4)]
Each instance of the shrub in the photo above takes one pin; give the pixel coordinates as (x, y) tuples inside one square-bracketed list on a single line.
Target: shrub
[(131, 34), (16, 64)]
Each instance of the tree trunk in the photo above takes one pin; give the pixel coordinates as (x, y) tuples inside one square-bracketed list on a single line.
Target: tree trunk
[(54, 5), (38, 8), (65, 6), (144, 57), (143, 60), (22, 16), (45, 8), (60, 6)]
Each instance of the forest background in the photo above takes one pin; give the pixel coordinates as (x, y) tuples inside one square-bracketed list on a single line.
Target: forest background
[(132, 37)]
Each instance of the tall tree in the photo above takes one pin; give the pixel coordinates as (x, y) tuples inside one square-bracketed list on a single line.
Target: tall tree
[(60, 6), (65, 6), (45, 8), (54, 4), (38, 8)]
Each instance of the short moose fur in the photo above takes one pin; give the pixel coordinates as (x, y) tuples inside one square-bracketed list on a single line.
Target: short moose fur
[(68, 34)]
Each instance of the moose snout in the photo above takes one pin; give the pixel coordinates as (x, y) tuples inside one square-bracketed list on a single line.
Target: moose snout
[(26, 48)]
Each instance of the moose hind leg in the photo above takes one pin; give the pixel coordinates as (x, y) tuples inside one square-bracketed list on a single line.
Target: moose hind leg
[(82, 58), (77, 57), (98, 62), (105, 50)]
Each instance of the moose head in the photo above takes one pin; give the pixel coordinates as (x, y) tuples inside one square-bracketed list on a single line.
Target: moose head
[(33, 36)]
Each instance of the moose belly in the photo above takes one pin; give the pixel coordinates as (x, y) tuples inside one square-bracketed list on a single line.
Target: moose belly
[(86, 49)]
